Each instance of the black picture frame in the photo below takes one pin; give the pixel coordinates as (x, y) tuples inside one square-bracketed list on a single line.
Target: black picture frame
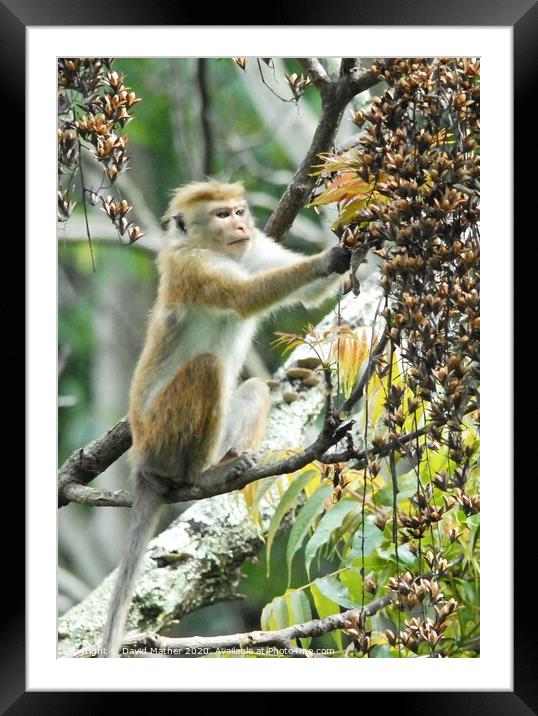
[(522, 16)]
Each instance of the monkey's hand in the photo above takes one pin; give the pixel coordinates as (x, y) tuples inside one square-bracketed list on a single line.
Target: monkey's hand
[(336, 260)]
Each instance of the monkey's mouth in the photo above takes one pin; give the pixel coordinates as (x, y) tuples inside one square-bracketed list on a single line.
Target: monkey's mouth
[(237, 241)]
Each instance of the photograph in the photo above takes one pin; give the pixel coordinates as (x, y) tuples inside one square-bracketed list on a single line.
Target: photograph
[(268, 357), (271, 391)]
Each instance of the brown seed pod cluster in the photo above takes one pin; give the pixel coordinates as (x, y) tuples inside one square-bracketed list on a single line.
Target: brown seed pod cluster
[(424, 633), (94, 106), (354, 627), (419, 156), (409, 191), (422, 155)]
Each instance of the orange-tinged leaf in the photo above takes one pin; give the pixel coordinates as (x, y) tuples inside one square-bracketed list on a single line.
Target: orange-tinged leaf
[(346, 188), (351, 350)]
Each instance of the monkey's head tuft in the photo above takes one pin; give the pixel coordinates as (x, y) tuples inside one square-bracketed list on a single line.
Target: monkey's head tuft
[(185, 197)]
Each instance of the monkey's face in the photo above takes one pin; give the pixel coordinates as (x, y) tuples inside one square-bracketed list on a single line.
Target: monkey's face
[(230, 226)]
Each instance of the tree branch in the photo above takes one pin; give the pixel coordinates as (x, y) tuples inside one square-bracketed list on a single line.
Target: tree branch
[(350, 66), (180, 88), (363, 456), (205, 115), (316, 71), (282, 638), (335, 95), (90, 461)]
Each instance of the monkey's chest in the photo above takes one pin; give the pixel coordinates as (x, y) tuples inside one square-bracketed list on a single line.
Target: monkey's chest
[(218, 332)]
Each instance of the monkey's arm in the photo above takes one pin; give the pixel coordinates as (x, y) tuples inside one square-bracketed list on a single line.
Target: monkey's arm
[(268, 254), (190, 279)]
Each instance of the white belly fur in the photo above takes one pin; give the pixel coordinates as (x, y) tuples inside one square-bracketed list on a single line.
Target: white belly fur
[(199, 331)]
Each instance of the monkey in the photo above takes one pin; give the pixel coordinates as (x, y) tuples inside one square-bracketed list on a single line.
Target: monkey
[(190, 421)]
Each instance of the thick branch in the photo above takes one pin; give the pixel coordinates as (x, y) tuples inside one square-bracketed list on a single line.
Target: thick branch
[(93, 459), (281, 638), (84, 495), (335, 96)]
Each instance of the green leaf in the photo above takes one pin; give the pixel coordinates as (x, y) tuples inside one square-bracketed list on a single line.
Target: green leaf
[(254, 509), (332, 588), (405, 555), (275, 615), (469, 594), (285, 504), (265, 486), (381, 651), (375, 563), (298, 611), (310, 510), (352, 580), (293, 607), (373, 538), (265, 617), (473, 521), (325, 607), (330, 521)]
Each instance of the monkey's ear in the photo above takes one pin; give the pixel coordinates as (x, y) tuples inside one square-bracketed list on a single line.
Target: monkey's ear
[(180, 222)]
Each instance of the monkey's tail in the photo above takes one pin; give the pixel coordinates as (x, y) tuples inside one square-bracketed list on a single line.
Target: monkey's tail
[(145, 511)]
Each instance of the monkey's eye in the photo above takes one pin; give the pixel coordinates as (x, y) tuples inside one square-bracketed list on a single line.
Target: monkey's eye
[(180, 223), (240, 212), (222, 214)]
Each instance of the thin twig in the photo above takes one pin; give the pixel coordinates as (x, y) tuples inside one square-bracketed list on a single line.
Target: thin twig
[(357, 392), (282, 99), (84, 206)]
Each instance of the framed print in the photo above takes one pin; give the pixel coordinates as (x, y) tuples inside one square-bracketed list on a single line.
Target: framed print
[(390, 498)]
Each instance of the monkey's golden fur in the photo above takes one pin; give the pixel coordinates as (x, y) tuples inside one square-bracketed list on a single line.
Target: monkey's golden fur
[(218, 276), (189, 279), (200, 191), (187, 410)]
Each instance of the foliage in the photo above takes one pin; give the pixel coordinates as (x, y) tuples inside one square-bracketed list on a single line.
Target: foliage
[(94, 107), (401, 516)]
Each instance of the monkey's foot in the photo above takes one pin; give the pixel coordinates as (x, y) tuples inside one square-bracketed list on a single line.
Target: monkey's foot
[(241, 463), (230, 455), (227, 472)]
